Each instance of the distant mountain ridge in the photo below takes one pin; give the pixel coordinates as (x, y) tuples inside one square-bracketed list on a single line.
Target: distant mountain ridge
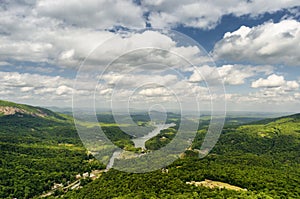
[(269, 120)]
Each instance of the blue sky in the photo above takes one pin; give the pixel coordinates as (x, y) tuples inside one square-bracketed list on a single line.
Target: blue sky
[(254, 46), (228, 23)]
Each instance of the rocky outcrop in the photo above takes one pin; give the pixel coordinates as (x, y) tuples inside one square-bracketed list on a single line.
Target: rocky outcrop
[(7, 110), (215, 184)]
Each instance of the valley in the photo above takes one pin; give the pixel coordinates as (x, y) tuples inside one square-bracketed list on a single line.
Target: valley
[(40, 149)]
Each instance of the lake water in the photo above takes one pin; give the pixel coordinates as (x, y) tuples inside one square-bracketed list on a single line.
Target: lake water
[(140, 142)]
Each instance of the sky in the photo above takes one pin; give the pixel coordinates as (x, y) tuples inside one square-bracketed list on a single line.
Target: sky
[(138, 54)]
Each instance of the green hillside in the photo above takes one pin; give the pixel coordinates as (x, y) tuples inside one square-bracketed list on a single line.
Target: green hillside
[(40, 149), (261, 157)]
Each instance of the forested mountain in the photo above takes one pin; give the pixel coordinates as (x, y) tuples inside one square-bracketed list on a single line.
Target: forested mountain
[(38, 149), (41, 151)]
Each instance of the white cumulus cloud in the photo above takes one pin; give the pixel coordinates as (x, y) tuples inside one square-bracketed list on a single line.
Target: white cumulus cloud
[(97, 14), (276, 82), (270, 82), (269, 43), (230, 74), (206, 14)]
